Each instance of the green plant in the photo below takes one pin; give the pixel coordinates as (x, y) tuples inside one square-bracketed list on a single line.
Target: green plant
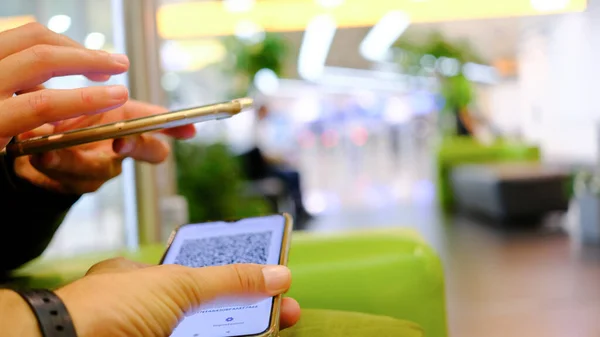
[(248, 57), (210, 178), (458, 92)]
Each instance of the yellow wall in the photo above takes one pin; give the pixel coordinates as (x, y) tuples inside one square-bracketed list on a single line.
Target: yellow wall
[(211, 18)]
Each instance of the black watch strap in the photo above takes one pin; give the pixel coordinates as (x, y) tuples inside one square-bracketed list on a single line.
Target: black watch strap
[(52, 315)]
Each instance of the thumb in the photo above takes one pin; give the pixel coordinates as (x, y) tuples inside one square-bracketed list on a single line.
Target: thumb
[(196, 287), (4, 141), (115, 265)]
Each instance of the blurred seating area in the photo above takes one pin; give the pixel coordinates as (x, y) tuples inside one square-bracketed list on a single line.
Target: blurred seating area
[(440, 158), (509, 192), (453, 153)]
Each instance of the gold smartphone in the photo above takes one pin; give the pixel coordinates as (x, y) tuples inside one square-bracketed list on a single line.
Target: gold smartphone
[(128, 127), (260, 240)]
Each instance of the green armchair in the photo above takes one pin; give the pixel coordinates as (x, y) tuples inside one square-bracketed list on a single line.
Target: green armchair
[(388, 273)]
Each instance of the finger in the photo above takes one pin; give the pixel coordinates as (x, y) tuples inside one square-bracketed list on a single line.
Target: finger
[(181, 132), (115, 265), (26, 36), (195, 286), (26, 112), (70, 185), (97, 77), (66, 184), (32, 89), (136, 109), (5, 140), (144, 147), (290, 313), (91, 77), (68, 164), (36, 65), (26, 171), (31, 34), (62, 126), (43, 130), (78, 123)]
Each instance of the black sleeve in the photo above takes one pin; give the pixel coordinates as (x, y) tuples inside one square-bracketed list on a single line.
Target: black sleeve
[(29, 217)]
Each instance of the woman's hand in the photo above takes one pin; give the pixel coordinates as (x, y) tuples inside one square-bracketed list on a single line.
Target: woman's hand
[(85, 168), (122, 298), (29, 56)]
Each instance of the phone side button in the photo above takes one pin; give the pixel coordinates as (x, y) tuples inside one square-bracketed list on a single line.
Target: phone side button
[(175, 118)]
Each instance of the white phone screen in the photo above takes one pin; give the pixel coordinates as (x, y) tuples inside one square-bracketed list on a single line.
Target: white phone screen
[(252, 240)]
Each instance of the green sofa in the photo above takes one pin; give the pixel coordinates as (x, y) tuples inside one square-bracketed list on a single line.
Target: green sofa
[(454, 151), (390, 273)]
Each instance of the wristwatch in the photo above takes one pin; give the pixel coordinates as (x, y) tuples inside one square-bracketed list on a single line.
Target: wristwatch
[(51, 314)]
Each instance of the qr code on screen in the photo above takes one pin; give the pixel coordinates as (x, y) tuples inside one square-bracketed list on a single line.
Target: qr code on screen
[(222, 250)]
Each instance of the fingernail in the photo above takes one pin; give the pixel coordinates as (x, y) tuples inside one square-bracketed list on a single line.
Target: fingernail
[(277, 278), (117, 92), (120, 59), (127, 146), (51, 160)]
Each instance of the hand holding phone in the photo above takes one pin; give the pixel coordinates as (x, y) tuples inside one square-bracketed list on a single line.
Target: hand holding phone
[(55, 163), (261, 240), (125, 298), (123, 128)]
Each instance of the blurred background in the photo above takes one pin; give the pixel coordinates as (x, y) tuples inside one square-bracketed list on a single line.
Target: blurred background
[(473, 122)]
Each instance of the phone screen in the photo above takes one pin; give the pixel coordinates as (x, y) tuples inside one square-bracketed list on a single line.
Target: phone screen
[(252, 240)]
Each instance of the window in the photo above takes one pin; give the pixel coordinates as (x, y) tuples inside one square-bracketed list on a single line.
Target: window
[(101, 220)]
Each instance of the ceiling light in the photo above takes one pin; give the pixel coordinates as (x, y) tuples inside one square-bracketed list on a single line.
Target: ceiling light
[(330, 3), (238, 5), (174, 57), (480, 73), (266, 81), (191, 55), (94, 40), (381, 37), (59, 23), (549, 5), (250, 32), (306, 109), (315, 47), (448, 67), (428, 62)]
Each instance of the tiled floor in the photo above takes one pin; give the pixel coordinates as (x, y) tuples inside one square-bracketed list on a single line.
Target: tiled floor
[(520, 284), (526, 283)]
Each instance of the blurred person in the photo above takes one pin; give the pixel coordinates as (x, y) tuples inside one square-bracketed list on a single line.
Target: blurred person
[(259, 165), (465, 124), (116, 297), (470, 123)]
